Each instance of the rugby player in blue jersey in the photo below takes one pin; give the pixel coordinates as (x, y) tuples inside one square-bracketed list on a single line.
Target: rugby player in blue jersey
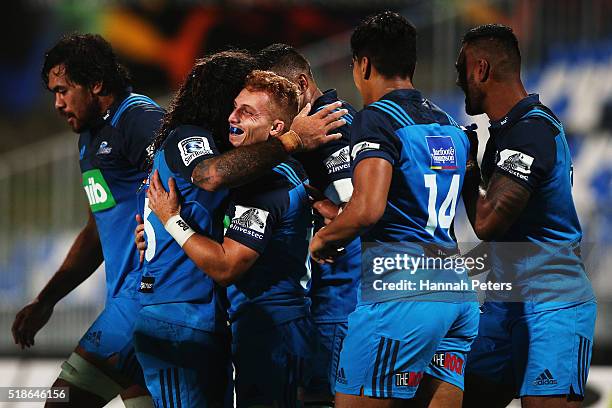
[(92, 92), (538, 345), (262, 257), (408, 159), (333, 287), (181, 335)]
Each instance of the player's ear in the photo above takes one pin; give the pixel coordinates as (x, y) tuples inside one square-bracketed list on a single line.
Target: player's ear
[(365, 64), (483, 69), (302, 83), (96, 88), (278, 126)]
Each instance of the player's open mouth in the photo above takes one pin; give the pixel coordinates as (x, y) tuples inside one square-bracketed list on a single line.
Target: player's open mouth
[(235, 131)]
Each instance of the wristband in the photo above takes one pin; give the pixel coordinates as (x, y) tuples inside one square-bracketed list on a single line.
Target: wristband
[(179, 229), (291, 142)]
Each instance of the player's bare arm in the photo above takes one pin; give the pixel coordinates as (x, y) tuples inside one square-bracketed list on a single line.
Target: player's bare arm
[(493, 210), (84, 257), (224, 263), (240, 166), (365, 208)]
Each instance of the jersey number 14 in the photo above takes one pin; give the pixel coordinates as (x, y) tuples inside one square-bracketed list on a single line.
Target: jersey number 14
[(442, 217)]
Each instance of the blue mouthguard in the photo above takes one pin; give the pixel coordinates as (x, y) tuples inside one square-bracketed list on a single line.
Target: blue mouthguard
[(235, 130)]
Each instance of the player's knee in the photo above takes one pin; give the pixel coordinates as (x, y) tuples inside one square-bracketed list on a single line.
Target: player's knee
[(82, 374)]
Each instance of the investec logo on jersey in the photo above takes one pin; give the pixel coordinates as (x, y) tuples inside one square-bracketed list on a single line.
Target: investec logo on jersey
[(442, 152), (98, 193), (250, 221), (338, 160), (516, 163), (193, 147)]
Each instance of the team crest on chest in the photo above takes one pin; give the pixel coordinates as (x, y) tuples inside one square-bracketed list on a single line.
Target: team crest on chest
[(104, 148)]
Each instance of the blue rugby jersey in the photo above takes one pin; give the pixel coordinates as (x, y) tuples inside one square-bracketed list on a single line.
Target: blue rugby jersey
[(529, 146), (183, 293), (112, 153), (272, 216), (333, 287), (428, 152)]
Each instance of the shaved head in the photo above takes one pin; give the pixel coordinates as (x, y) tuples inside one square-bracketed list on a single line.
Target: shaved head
[(498, 45)]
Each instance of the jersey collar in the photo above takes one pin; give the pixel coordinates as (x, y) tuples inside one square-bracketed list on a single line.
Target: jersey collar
[(517, 112), (403, 95), (110, 112), (329, 96)]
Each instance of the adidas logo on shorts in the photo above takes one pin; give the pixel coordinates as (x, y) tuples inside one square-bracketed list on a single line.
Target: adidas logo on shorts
[(546, 378)]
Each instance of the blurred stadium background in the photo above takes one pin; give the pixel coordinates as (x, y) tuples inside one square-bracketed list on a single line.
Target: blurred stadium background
[(567, 54)]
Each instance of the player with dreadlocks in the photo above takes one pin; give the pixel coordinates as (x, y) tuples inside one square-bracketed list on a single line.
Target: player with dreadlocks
[(182, 305), (181, 335), (263, 255)]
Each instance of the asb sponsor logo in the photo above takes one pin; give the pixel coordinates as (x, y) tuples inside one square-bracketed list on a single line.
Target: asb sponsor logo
[(408, 379), (339, 160), (104, 148), (448, 361), (364, 147), (514, 162), (98, 193), (250, 221), (193, 147), (442, 152), (546, 378), (146, 284)]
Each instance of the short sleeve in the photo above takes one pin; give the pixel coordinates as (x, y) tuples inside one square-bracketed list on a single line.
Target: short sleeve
[(254, 217), (186, 147), (372, 135), (329, 167), (528, 154), (140, 126), (337, 161)]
